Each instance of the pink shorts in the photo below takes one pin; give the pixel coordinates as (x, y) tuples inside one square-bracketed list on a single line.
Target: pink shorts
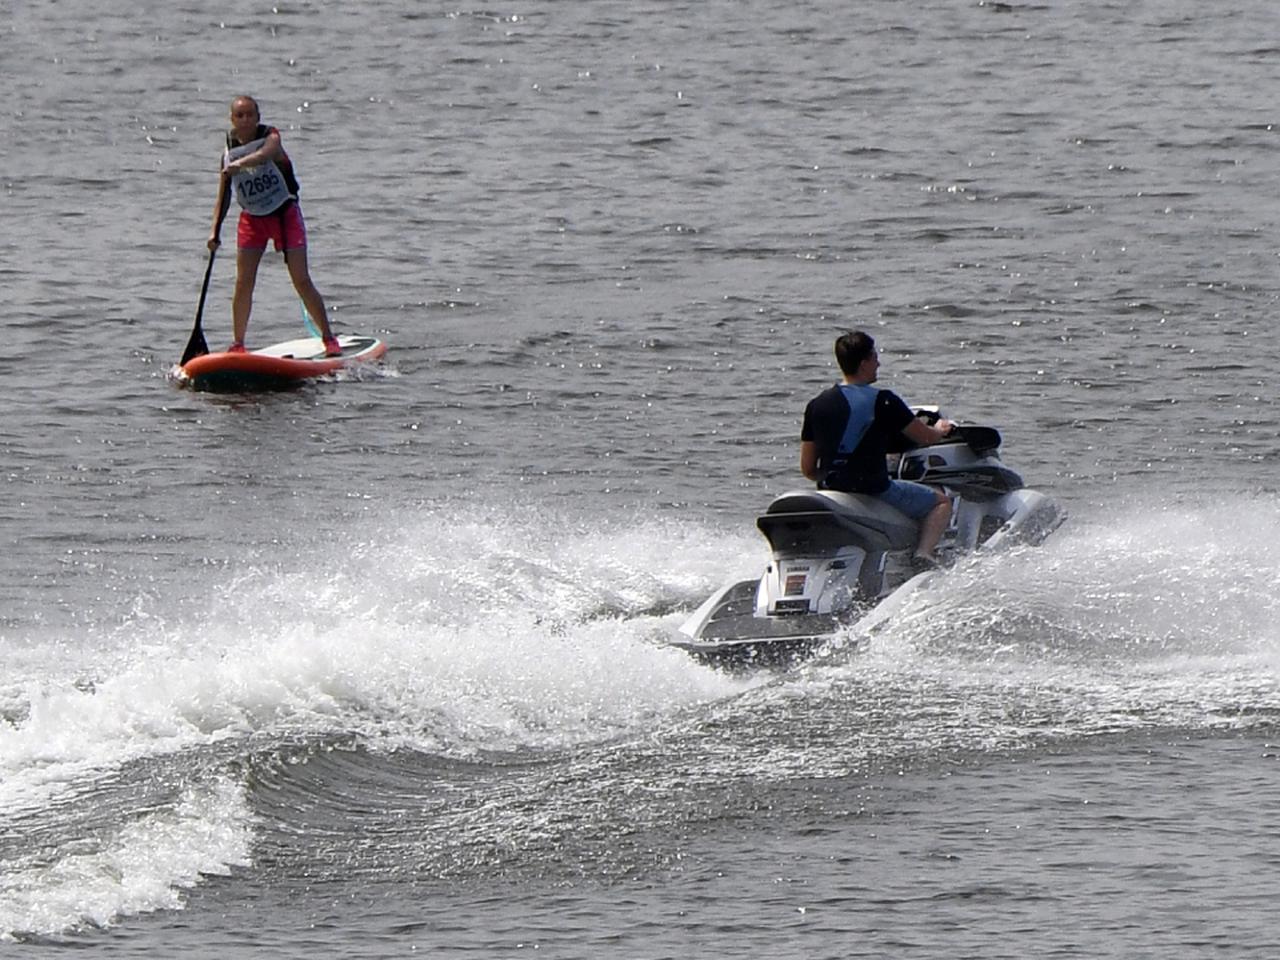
[(285, 228)]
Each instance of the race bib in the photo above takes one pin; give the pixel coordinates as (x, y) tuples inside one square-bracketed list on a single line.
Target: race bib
[(260, 189)]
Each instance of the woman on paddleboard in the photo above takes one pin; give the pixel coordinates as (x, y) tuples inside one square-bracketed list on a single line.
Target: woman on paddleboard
[(261, 176)]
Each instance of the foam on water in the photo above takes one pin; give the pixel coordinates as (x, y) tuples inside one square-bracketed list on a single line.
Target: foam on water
[(1121, 620), (449, 634), (452, 636), (460, 634), (482, 632), (140, 865)]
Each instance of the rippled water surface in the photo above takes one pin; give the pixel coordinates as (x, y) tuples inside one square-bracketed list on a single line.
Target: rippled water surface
[(377, 665)]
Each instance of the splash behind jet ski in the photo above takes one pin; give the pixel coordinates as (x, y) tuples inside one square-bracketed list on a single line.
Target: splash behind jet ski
[(835, 556)]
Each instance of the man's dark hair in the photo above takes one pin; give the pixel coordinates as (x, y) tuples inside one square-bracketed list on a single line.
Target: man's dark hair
[(851, 349)]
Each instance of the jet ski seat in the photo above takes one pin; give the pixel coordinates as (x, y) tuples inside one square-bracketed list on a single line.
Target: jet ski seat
[(821, 522)]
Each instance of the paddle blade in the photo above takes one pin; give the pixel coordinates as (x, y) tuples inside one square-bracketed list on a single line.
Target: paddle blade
[(196, 346)]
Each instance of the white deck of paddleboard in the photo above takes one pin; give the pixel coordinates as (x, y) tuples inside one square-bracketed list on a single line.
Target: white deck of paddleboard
[(311, 348)]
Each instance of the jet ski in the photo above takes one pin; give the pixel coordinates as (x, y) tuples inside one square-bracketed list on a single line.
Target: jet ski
[(836, 557)]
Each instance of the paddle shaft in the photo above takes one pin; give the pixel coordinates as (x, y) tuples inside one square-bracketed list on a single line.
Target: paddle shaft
[(196, 345)]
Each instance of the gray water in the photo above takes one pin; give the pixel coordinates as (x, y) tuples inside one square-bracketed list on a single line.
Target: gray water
[(377, 666)]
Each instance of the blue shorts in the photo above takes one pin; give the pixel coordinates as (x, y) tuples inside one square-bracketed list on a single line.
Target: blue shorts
[(913, 499)]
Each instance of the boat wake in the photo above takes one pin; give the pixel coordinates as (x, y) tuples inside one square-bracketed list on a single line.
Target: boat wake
[(524, 636)]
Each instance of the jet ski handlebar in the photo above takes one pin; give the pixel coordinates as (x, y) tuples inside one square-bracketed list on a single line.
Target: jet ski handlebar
[(981, 440)]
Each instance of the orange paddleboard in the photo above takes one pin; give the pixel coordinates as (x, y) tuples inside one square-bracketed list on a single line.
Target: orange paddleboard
[(277, 367)]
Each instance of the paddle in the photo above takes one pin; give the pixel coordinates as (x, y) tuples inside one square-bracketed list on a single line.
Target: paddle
[(196, 346)]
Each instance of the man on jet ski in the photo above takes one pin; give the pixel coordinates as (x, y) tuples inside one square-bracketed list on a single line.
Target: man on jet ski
[(850, 428)]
